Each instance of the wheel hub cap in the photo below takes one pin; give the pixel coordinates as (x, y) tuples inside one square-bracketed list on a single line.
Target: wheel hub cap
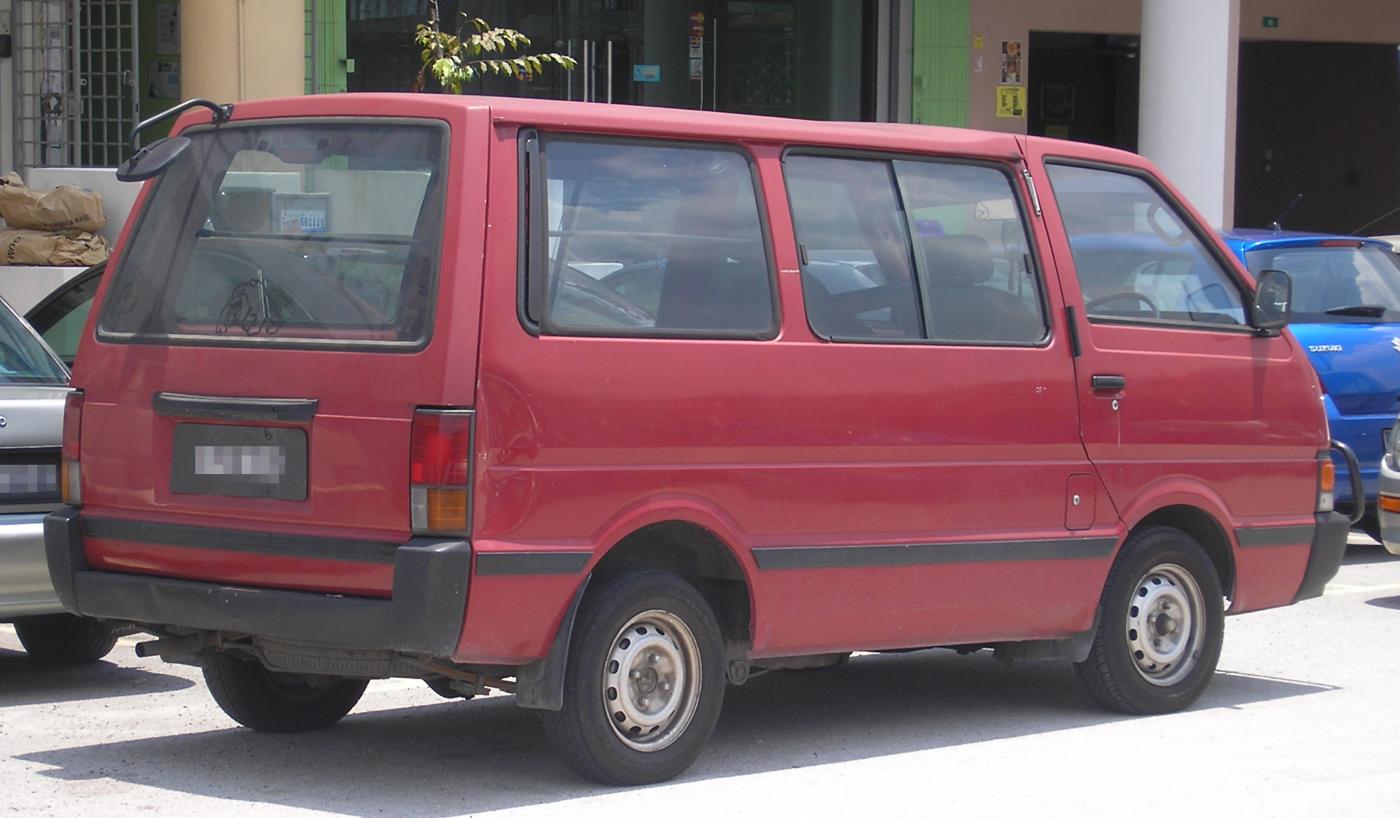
[(1164, 624), (651, 680)]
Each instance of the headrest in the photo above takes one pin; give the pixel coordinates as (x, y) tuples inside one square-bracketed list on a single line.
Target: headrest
[(957, 261)]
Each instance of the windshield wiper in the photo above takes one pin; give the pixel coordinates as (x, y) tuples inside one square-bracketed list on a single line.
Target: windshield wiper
[(1364, 310)]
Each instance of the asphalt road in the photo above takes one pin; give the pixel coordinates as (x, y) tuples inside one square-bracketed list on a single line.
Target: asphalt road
[(1303, 718)]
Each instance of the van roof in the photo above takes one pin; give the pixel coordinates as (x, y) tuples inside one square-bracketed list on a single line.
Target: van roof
[(665, 122)]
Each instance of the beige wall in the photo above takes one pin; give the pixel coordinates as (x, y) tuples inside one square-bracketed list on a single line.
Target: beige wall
[(242, 49), (1354, 21), (1334, 21), (999, 20)]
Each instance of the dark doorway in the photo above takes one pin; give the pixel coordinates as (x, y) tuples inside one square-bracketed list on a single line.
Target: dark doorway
[(1083, 87), (1319, 119)]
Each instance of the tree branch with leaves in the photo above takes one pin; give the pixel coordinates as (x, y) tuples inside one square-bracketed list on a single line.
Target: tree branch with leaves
[(456, 59)]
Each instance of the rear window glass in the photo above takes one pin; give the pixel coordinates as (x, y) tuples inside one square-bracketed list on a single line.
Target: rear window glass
[(23, 357), (1340, 284), (306, 233), (652, 239)]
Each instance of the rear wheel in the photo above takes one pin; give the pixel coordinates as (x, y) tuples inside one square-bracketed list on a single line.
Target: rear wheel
[(644, 681), (1161, 626), (65, 639), (271, 702)]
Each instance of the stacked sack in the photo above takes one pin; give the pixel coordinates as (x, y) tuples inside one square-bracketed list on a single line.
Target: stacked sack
[(53, 229)]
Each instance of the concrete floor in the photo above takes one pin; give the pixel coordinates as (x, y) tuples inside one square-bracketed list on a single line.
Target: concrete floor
[(1302, 719)]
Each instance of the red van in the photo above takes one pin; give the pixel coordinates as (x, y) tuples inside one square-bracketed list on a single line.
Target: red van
[(610, 407)]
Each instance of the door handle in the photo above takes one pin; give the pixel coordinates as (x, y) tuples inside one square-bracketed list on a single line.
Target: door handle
[(1108, 383)]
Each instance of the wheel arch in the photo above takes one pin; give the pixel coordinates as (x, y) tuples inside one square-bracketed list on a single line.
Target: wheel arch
[(686, 538), (1201, 525)]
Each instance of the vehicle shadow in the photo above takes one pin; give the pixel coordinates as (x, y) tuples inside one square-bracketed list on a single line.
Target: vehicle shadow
[(1385, 602), (1367, 555), (453, 757), (24, 680)]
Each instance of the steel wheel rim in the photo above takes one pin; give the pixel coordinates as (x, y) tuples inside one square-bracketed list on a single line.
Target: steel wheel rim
[(651, 680), (1165, 626)]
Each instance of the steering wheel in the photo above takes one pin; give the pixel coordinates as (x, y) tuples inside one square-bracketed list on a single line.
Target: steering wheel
[(1089, 306)]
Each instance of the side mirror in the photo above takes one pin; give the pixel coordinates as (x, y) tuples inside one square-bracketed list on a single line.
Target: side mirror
[(154, 159), (1273, 301)]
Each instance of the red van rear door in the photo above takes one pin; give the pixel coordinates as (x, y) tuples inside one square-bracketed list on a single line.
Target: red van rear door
[(286, 300)]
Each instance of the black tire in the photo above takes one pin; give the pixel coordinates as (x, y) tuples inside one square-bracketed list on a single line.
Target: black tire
[(1140, 613), (65, 639), (269, 702), (673, 627)]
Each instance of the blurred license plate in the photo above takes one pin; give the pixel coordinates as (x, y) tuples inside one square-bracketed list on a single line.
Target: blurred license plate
[(239, 461)]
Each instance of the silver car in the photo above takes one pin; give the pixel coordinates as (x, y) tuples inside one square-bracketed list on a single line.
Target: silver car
[(1388, 503), (33, 387)]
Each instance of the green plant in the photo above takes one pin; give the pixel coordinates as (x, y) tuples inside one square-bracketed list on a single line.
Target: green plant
[(455, 59)]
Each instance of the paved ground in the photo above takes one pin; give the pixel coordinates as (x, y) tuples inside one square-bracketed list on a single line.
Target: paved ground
[(1302, 719)]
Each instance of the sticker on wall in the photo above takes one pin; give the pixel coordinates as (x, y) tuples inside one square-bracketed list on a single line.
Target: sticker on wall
[(1011, 62), (646, 73), (1011, 101)]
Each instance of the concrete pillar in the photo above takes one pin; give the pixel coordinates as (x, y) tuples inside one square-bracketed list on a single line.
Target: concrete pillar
[(1186, 120), (232, 50)]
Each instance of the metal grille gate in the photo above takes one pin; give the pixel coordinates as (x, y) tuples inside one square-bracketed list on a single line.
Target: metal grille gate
[(74, 105)]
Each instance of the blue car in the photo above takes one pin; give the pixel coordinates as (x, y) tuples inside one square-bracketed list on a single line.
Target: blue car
[(1346, 313)]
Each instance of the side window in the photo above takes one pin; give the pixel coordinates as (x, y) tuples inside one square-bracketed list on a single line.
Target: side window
[(913, 250), (857, 271), (647, 240), (1135, 255), (973, 254)]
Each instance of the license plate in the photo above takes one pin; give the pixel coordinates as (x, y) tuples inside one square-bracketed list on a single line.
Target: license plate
[(239, 461)]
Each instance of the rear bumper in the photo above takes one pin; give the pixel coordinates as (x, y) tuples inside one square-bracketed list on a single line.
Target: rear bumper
[(1329, 545), (424, 615), (25, 589)]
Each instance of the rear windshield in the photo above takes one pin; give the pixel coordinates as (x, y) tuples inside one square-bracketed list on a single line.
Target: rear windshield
[(23, 357), (1335, 285), (311, 233)]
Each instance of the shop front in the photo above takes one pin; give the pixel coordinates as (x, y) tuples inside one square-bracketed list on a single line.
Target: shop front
[(797, 58)]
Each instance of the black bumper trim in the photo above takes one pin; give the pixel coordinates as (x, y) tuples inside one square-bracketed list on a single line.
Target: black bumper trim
[(1329, 545), (424, 614)]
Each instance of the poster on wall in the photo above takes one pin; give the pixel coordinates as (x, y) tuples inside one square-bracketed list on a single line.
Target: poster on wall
[(1011, 101), (164, 79), (168, 28), (1011, 62)]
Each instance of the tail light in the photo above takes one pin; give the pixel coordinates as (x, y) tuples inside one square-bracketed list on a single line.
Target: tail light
[(70, 474), (1326, 483), (440, 456)]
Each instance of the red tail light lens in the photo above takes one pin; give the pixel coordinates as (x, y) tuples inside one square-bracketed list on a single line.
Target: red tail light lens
[(440, 455), (70, 475)]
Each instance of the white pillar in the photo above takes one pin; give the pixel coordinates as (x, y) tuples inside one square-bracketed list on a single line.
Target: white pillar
[(1186, 120)]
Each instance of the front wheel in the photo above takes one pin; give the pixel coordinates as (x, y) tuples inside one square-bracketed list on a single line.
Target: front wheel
[(1160, 629), (65, 639), (644, 681), (270, 702)]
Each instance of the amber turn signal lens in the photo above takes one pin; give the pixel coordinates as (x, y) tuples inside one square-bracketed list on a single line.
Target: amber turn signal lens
[(1328, 477), (447, 509), (70, 482), (1389, 503)]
